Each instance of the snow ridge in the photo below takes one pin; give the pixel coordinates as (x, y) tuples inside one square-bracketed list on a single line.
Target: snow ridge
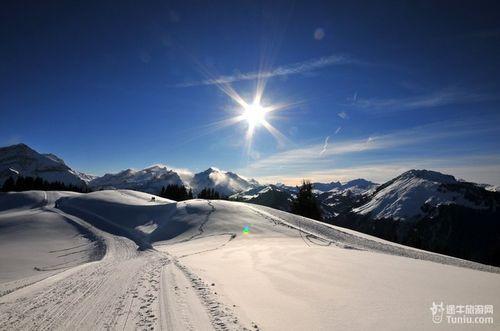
[(405, 196)]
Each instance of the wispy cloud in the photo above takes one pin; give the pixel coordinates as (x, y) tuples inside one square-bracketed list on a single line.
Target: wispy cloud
[(479, 169), (325, 145), (441, 98), (285, 70), (338, 130), (342, 115), (315, 158)]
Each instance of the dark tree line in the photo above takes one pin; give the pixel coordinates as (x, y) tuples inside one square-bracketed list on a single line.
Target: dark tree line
[(176, 192), (181, 193), (306, 204), (209, 193), (36, 183)]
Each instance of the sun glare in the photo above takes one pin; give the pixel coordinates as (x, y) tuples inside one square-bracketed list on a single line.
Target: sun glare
[(254, 114)]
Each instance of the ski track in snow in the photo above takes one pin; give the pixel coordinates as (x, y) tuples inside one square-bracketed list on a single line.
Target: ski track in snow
[(128, 289)]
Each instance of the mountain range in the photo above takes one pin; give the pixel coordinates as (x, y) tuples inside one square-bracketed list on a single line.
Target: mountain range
[(409, 196), (21, 160), (421, 208)]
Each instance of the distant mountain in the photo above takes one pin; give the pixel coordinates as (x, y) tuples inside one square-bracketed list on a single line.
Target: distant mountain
[(21, 160), (432, 211), (149, 180), (412, 194), (333, 197), (275, 196), (325, 187), (225, 182), (153, 178)]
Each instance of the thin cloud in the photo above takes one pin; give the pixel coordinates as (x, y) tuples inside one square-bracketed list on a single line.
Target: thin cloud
[(437, 99), (316, 157), (478, 169), (290, 69), (342, 115), (338, 129), (325, 145)]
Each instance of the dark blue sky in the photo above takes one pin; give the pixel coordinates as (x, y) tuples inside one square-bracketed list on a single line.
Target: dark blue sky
[(374, 88)]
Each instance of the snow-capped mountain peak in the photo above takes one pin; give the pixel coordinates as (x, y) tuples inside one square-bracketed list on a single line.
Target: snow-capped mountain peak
[(429, 175), (325, 187), (410, 194), (225, 182), (150, 179), (154, 177), (22, 160)]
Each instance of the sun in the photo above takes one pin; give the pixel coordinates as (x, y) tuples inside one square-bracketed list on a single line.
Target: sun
[(254, 114)]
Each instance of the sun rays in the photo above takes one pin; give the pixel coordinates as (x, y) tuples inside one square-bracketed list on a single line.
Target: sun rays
[(254, 113), (257, 112)]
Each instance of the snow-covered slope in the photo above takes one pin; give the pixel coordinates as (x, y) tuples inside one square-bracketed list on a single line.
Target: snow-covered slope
[(225, 182), (150, 179), (225, 266), (23, 161), (36, 243), (409, 195)]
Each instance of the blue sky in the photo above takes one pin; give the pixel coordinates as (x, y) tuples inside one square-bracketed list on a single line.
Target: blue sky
[(372, 89)]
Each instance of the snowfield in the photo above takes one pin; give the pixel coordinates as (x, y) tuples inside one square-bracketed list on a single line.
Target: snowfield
[(120, 260)]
